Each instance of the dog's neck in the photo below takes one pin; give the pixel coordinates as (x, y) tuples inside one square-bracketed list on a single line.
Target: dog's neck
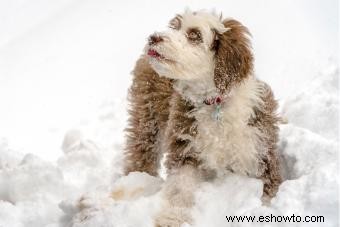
[(196, 91)]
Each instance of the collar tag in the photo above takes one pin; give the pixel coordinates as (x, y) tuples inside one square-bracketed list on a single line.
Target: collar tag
[(216, 115), (217, 102)]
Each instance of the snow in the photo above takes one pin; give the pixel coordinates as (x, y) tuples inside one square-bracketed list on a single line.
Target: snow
[(64, 75)]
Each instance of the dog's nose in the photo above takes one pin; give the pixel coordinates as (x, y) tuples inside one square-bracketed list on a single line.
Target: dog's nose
[(154, 39)]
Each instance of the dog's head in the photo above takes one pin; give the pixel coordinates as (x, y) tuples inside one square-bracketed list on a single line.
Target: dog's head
[(199, 45)]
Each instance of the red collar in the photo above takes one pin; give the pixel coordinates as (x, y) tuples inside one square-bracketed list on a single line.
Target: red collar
[(215, 100)]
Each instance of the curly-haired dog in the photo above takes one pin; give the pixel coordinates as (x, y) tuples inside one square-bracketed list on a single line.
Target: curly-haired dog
[(196, 99)]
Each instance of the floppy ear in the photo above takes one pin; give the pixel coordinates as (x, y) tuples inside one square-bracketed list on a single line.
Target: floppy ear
[(234, 59)]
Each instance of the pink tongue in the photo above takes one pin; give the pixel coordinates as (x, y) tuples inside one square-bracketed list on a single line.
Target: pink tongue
[(153, 53)]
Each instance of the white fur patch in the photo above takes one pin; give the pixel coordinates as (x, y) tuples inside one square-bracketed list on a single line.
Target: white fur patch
[(230, 143), (227, 144)]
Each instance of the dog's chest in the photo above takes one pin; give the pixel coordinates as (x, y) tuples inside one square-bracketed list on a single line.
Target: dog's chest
[(227, 143)]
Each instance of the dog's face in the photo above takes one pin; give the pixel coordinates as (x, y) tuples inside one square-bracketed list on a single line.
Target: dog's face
[(185, 51), (200, 46)]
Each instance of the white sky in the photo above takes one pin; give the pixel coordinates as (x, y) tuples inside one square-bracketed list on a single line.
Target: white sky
[(60, 59)]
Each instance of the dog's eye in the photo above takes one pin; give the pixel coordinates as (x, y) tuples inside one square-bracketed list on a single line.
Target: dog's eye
[(194, 35)]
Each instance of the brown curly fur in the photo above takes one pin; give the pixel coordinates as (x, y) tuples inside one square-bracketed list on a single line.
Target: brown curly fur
[(149, 98), (234, 60)]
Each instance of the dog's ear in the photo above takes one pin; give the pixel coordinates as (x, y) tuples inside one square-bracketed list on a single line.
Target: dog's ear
[(234, 59)]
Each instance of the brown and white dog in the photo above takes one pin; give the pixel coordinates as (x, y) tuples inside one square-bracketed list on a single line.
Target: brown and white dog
[(195, 99)]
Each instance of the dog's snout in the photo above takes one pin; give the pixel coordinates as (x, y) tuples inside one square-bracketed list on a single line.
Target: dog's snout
[(154, 39)]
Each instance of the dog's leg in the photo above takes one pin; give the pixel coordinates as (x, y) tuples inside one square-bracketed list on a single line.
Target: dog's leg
[(149, 109), (271, 176), (142, 154), (266, 121), (182, 164), (178, 197)]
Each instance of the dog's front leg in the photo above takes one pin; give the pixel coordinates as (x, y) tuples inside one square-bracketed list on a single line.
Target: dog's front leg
[(149, 98), (178, 197)]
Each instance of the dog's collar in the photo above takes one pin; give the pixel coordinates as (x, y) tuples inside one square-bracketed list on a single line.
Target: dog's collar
[(217, 102), (214, 100)]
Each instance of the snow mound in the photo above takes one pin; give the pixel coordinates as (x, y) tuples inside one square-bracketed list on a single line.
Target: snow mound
[(130, 201), (32, 190), (316, 108), (84, 188)]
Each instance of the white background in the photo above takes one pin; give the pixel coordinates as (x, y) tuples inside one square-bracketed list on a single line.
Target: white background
[(59, 60)]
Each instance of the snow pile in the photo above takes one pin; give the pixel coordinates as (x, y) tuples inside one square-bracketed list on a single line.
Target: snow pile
[(31, 189), (85, 187)]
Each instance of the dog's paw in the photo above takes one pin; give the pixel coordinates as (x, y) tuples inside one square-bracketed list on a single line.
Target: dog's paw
[(172, 217), (135, 185), (168, 222), (123, 193)]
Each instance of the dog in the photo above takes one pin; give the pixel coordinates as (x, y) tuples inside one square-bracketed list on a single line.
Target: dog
[(196, 100)]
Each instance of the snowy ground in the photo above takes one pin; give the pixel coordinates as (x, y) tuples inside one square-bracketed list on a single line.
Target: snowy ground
[(64, 74)]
